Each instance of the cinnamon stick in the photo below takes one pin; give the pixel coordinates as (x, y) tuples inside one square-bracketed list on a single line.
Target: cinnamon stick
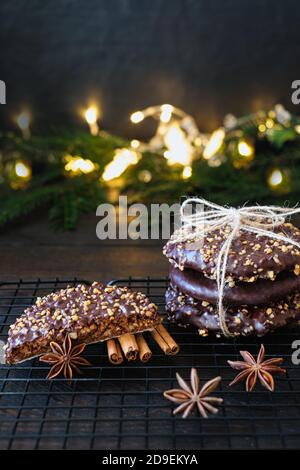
[(144, 350), (114, 352), (165, 340), (129, 346)]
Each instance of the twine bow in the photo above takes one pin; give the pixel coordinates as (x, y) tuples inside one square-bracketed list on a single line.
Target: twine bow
[(260, 220)]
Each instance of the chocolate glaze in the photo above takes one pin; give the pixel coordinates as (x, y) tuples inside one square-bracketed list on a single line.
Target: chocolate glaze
[(185, 310), (250, 257), (262, 291), (88, 313)]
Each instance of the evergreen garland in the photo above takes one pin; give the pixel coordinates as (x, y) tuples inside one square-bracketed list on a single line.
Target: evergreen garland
[(66, 195)]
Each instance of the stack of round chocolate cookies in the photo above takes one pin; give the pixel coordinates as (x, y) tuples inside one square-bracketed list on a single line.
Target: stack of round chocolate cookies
[(262, 289)]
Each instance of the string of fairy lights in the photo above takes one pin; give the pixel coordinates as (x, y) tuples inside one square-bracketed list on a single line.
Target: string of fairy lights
[(177, 138)]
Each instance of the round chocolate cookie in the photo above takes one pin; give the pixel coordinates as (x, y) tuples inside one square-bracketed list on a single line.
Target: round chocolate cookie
[(251, 256), (259, 320), (262, 291)]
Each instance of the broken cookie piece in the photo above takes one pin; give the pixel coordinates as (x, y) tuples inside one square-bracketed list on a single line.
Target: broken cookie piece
[(88, 313)]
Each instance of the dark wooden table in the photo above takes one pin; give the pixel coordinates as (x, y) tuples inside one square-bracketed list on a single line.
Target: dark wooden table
[(32, 249)]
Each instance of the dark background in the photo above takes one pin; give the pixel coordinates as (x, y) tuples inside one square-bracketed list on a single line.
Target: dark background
[(207, 57)]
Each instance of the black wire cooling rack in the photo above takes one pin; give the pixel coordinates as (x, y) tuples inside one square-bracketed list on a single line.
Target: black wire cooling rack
[(122, 407)]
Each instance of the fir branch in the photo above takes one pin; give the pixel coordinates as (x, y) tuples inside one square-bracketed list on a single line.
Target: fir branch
[(64, 211), (77, 197), (23, 202)]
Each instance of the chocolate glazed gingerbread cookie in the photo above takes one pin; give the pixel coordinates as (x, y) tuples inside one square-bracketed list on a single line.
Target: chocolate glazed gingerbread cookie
[(250, 257), (262, 291), (234, 271), (243, 320)]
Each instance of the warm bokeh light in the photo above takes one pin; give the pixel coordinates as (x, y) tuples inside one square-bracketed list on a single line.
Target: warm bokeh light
[(275, 178), (145, 176), (198, 141), (269, 123), (23, 121), (122, 160), (137, 117), (77, 165), (135, 143), (22, 170), (179, 150), (166, 112), (245, 149), (272, 113), (215, 143), (91, 115), (187, 172), (177, 135)]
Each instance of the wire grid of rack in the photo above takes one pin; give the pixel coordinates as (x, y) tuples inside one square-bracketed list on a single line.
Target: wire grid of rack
[(122, 407)]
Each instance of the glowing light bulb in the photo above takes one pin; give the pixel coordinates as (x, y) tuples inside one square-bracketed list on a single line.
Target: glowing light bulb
[(215, 143), (77, 165), (179, 150), (91, 117), (166, 112), (198, 141), (122, 160), (245, 149), (135, 143), (269, 123), (137, 117), (275, 178), (272, 114), (23, 121), (145, 176), (187, 172), (22, 170)]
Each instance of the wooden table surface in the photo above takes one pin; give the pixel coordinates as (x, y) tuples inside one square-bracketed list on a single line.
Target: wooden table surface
[(32, 249)]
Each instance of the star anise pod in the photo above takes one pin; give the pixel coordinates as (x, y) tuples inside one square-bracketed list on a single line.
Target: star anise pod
[(64, 358), (189, 396), (257, 369)]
